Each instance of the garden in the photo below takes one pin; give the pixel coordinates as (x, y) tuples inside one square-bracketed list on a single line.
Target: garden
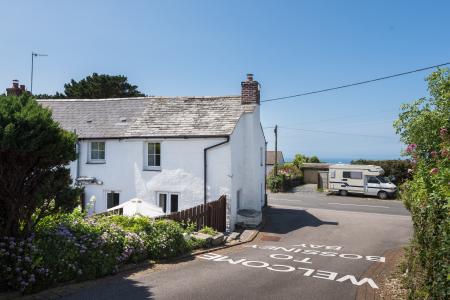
[(72, 247)]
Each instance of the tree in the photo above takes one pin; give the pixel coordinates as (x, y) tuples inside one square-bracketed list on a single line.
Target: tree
[(34, 154), (101, 86), (314, 159), (300, 159)]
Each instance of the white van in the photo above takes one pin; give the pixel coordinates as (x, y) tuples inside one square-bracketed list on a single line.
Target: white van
[(361, 179)]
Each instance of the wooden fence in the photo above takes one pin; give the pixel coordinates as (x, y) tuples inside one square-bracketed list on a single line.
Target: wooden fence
[(212, 214)]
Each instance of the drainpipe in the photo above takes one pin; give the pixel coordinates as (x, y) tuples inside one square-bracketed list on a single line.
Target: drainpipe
[(205, 166), (265, 174)]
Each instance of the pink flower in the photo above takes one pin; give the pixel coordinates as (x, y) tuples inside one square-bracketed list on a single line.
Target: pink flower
[(433, 153), (444, 152), (410, 149), (443, 132), (434, 171)]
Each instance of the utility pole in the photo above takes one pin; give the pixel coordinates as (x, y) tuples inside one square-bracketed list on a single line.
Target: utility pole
[(32, 66), (276, 150)]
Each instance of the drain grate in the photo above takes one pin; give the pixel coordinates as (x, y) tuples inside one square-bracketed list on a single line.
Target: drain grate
[(270, 238)]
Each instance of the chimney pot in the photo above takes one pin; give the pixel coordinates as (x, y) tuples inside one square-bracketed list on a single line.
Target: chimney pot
[(22, 87), (16, 83), (249, 77)]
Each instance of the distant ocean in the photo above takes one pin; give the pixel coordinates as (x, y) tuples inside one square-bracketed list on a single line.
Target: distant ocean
[(342, 160)]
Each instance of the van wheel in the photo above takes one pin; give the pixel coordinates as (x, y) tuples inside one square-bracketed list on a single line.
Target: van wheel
[(382, 195), (343, 193)]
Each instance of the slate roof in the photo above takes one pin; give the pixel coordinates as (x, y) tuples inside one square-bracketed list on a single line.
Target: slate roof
[(149, 116), (270, 157)]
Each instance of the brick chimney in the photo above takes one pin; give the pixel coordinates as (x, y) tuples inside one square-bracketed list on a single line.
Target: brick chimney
[(16, 89), (250, 90)]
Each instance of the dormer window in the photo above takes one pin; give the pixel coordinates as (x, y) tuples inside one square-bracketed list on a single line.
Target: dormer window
[(96, 152)]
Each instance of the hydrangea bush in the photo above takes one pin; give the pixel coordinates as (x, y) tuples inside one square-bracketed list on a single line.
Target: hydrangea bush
[(72, 247)]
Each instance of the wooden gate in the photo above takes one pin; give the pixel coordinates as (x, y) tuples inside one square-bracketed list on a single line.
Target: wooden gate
[(211, 214)]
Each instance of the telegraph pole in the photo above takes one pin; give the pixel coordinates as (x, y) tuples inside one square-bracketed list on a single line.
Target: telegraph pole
[(32, 65), (276, 150)]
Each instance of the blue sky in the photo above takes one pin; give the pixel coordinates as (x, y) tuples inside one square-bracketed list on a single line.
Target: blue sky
[(207, 47)]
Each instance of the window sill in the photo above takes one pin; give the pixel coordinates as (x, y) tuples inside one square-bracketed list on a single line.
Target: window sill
[(101, 162), (152, 169)]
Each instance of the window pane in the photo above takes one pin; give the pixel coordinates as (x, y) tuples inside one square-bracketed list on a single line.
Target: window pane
[(94, 154), (151, 160), (346, 174), (109, 200), (157, 148), (173, 203), (116, 199), (101, 146), (163, 201), (356, 175), (157, 160), (101, 154), (151, 148)]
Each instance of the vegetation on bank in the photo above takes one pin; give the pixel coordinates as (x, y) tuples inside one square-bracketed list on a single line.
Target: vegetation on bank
[(425, 125), (289, 175), (71, 247)]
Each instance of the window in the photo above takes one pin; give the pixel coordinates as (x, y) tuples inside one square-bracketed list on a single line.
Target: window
[(166, 206), (153, 157), (352, 175), (333, 174), (372, 179), (173, 203), (97, 152), (162, 202), (112, 199)]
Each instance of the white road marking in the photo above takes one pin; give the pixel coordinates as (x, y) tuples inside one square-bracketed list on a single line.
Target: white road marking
[(359, 205)]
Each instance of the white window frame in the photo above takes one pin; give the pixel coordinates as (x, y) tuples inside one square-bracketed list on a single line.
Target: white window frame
[(146, 166), (168, 201), (89, 154)]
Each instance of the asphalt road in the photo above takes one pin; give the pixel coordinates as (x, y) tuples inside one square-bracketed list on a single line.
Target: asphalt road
[(302, 253), (306, 196)]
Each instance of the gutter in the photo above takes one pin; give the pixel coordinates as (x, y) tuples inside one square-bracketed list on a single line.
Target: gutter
[(205, 166)]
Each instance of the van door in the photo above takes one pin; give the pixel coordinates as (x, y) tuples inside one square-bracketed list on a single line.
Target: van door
[(372, 186)]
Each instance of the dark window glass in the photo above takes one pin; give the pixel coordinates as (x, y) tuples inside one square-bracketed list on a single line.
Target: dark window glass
[(373, 180), (173, 203), (112, 199), (352, 175)]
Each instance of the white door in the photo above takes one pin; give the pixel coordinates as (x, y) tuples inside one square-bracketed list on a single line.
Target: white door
[(372, 186)]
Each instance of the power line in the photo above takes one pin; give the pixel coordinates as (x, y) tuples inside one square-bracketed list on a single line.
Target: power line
[(336, 132), (356, 83)]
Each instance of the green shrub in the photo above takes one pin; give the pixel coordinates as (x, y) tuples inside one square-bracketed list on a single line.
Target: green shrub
[(70, 247), (208, 230), (425, 125), (289, 175), (276, 183)]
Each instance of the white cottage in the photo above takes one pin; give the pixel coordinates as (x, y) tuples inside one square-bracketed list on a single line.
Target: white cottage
[(174, 152)]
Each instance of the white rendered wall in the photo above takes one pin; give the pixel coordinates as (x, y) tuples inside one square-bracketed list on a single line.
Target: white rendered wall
[(248, 165), (181, 171)]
